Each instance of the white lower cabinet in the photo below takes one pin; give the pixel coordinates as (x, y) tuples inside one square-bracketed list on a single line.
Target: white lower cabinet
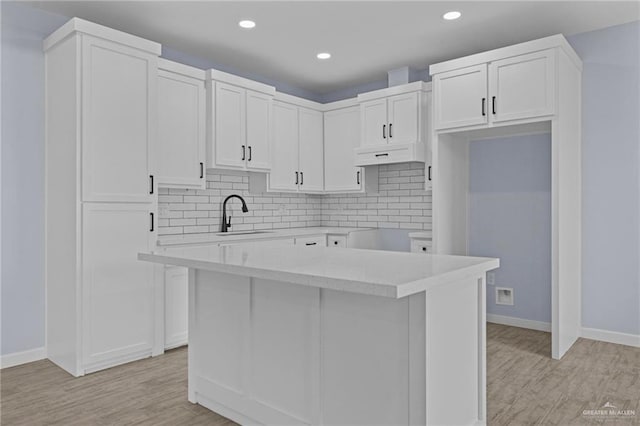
[(117, 290), (176, 317)]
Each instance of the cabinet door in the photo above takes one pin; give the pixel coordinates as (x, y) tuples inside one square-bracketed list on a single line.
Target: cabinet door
[(460, 97), (119, 86), (373, 116), (117, 288), (311, 149), (181, 130), (258, 130), (284, 173), (341, 137), (230, 147), (403, 118), (176, 303), (522, 87)]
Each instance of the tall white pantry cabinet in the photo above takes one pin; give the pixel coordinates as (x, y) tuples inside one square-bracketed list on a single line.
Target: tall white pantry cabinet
[(100, 196)]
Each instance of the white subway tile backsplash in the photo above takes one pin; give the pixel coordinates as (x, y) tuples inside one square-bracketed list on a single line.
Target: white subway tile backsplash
[(401, 202)]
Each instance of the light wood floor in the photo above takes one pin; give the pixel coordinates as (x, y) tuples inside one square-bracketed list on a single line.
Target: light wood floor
[(525, 387)]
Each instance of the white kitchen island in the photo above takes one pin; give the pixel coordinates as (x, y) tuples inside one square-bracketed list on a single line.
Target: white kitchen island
[(335, 336)]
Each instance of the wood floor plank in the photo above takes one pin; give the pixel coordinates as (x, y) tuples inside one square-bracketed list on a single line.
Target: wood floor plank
[(524, 387)]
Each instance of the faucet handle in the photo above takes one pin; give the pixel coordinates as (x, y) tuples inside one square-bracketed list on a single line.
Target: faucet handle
[(229, 222)]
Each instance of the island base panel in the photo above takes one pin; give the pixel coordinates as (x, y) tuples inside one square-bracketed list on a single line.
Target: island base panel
[(269, 352)]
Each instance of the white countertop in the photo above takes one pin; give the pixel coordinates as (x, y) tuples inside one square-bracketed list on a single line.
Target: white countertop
[(171, 240), (373, 272)]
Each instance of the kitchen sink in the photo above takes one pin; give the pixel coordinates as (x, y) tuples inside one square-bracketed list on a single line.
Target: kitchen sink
[(229, 234)]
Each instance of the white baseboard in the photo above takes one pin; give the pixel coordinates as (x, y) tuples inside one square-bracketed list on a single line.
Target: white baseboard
[(17, 358), (519, 322), (611, 337)]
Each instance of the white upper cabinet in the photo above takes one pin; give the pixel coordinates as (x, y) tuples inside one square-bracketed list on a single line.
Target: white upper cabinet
[(118, 121), (522, 86), (374, 122), (259, 107), (403, 114), (284, 175), (239, 122), (181, 126), (311, 150), (341, 137), (393, 124), (297, 158), (460, 97), (230, 112), (515, 84)]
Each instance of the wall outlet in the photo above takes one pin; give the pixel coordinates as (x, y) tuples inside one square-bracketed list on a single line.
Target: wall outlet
[(163, 211), (282, 210), (504, 296), (491, 278)]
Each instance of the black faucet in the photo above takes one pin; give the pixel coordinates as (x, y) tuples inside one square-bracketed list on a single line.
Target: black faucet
[(226, 225)]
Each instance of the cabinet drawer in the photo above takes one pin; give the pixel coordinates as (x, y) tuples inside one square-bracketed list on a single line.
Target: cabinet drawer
[(420, 246), (397, 153), (316, 240), (336, 241)]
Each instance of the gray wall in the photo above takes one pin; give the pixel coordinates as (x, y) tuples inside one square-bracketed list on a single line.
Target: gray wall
[(510, 218), (611, 177), (611, 159), (22, 178)]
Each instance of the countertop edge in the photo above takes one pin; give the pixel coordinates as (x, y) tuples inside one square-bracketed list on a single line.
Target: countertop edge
[(351, 286), (427, 284), (268, 274)]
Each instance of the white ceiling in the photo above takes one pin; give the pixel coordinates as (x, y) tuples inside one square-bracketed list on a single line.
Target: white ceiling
[(366, 38)]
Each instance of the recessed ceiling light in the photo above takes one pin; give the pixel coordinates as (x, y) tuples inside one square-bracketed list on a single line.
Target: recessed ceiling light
[(323, 55), (450, 16), (246, 24)]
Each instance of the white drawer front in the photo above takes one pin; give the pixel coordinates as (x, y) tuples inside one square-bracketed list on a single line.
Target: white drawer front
[(384, 156), (316, 240), (336, 241), (420, 246)]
